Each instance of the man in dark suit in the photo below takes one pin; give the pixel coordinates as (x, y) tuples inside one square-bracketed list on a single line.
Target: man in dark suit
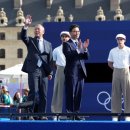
[(75, 71), (37, 65)]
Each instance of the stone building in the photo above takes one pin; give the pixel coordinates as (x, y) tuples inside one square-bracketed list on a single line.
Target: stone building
[(12, 49), (13, 12)]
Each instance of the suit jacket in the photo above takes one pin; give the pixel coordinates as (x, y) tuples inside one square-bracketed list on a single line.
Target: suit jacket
[(30, 63), (74, 62)]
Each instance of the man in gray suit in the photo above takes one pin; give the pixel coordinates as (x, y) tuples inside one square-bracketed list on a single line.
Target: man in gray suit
[(38, 65)]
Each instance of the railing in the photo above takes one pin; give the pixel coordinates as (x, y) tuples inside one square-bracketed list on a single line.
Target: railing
[(14, 115), (12, 112)]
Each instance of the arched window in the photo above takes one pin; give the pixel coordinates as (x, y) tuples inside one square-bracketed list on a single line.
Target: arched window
[(2, 36), (20, 53), (2, 53), (18, 36), (2, 67)]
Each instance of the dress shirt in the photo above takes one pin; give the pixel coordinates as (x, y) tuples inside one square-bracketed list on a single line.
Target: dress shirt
[(41, 48), (40, 45)]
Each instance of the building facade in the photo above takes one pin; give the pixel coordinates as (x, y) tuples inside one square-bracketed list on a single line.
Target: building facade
[(13, 12), (12, 49)]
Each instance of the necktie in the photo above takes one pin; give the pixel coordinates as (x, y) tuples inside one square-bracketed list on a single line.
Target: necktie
[(40, 46), (76, 45), (39, 63)]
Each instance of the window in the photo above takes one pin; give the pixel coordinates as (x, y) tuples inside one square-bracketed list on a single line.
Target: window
[(2, 36), (2, 67), (2, 53), (2, 21), (19, 21), (18, 36), (20, 53), (59, 20)]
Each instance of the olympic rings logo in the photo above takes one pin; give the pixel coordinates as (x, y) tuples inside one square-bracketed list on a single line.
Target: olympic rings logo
[(104, 99)]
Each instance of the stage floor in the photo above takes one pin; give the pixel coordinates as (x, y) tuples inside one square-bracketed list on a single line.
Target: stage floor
[(63, 125)]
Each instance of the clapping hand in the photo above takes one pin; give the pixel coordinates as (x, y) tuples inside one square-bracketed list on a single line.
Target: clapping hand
[(28, 20), (80, 46), (86, 44)]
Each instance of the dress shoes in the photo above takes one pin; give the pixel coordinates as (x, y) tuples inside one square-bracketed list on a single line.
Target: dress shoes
[(31, 118), (70, 118), (79, 118), (36, 118), (43, 118), (55, 118), (62, 118)]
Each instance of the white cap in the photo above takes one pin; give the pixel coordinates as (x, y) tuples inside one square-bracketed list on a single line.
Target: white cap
[(64, 33), (121, 36)]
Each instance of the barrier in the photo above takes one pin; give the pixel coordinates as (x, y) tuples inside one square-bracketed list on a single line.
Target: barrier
[(97, 89), (87, 116)]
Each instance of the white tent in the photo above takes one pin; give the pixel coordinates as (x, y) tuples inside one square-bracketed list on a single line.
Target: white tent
[(15, 71), (14, 78)]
